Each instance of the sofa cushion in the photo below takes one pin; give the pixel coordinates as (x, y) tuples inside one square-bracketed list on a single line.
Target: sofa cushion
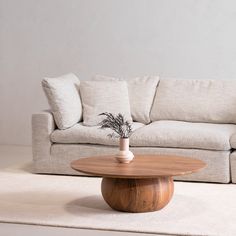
[(63, 97), (105, 78), (184, 135), (212, 101), (233, 141), (104, 96), (233, 166), (141, 95), (80, 133)]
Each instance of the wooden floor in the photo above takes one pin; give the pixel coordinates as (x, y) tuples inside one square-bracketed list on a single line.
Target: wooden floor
[(13, 155)]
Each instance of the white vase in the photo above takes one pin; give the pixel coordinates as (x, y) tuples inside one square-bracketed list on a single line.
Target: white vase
[(124, 155)]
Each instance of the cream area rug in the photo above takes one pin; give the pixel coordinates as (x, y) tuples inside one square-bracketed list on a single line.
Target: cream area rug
[(65, 201)]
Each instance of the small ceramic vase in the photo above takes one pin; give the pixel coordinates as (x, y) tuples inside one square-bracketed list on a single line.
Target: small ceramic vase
[(124, 155)]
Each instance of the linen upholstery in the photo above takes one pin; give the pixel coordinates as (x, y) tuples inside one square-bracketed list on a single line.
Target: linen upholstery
[(104, 96), (233, 166), (194, 100), (181, 134), (197, 120), (233, 140), (105, 78), (141, 95), (55, 158), (80, 133), (217, 161), (42, 126), (63, 97)]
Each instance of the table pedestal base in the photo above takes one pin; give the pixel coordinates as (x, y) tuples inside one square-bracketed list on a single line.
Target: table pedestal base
[(137, 195)]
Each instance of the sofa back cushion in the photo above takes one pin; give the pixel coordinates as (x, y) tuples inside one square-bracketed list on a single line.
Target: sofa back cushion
[(195, 100), (104, 96), (64, 99), (141, 94)]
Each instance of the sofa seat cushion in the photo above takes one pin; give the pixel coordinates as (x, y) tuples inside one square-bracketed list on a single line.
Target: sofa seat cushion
[(178, 134), (80, 133)]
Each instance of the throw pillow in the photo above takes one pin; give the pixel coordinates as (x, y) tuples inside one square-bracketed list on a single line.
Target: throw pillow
[(141, 95), (64, 99), (104, 96)]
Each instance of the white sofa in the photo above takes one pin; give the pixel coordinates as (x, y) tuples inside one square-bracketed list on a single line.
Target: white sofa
[(193, 118)]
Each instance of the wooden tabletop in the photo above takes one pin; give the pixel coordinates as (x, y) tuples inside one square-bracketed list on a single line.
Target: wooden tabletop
[(143, 166)]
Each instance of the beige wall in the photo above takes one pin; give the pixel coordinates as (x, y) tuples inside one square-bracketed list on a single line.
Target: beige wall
[(181, 38)]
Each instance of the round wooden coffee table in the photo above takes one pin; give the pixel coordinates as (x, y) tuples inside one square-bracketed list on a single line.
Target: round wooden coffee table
[(143, 185)]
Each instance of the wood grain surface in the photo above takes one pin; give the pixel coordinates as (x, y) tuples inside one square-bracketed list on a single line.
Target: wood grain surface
[(137, 195), (143, 166)]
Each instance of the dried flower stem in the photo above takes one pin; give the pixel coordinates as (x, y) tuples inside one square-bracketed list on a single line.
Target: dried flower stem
[(117, 123)]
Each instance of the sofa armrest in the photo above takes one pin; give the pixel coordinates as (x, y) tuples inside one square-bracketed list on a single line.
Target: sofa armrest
[(42, 126)]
